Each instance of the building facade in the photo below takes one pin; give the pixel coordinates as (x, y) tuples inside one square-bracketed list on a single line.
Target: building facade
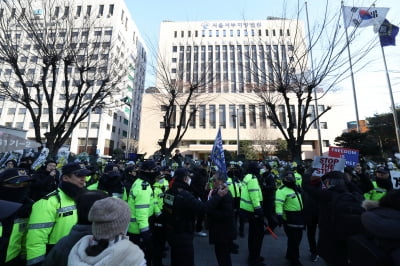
[(232, 59), (113, 28)]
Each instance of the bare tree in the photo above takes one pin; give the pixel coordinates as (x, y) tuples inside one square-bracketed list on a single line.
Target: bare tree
[(263, 143), (179, 98), (52, 53), (292, 79)]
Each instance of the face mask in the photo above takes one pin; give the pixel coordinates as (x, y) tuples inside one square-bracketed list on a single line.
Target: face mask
[(188, 181), (161, 181), (262, 171), (150, 176)]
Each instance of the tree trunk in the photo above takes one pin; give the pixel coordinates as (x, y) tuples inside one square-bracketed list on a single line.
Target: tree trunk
[(295, 150)]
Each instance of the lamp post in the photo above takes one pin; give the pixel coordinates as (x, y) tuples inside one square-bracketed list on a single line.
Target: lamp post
[(237, 131)]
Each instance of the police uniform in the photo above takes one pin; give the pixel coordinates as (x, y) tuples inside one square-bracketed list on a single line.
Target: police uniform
[(158, 229), (250, 205), (142, 204), (376, 193), (53, 216), (15, 208), (289, 206), (51, 219), (180, 209)]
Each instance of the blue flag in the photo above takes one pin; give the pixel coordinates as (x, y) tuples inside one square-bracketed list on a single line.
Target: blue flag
[(388, 33), (217, 154)]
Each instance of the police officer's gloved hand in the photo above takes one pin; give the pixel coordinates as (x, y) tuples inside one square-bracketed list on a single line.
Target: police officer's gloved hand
[(258, 214), (280, 220), (145, 236)]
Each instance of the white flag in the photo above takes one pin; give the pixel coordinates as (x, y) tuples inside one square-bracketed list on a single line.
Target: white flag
[(364, 16)]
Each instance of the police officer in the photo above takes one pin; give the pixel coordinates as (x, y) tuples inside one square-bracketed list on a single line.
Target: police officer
[(180, 209), (233, 183), (289, 211), (14, 212), (54, 215), (158, 229), (382, 184), (251, 207), (142, 204)]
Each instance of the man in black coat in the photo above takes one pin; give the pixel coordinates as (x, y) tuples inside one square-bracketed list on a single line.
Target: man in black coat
[(221, 222), (332, 242), (179, 210), (45, 180), (310, 202)]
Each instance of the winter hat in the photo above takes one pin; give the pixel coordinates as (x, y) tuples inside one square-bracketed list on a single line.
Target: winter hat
[(181, 173), (77, 169), (252, 168), (148, 165), (110, 217), (333, 175), (14, 176)]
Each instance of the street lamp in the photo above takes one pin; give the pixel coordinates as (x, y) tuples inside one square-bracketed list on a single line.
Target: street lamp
[(237, 131)]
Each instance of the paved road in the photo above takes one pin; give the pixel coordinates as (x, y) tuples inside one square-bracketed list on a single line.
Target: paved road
[(273, 251)]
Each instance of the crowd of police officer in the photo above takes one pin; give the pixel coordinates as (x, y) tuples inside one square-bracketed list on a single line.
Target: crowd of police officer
[(164, 207)]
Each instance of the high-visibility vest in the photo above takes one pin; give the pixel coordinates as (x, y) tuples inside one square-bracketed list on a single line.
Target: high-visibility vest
[(141, 202), (376, 193), (251, 195), (52, 218)]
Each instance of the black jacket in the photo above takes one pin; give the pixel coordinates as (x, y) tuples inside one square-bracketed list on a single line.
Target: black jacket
[(383, 224), (221, 221), (181, 207), (43, 184)]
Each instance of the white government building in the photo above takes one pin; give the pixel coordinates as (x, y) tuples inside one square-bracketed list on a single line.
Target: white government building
[(222, 49), (104, 129)]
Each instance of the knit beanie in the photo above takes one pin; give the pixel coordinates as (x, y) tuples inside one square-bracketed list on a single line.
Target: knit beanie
[(110, 217)]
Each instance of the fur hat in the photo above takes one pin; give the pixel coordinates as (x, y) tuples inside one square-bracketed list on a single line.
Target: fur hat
[(110, 217)]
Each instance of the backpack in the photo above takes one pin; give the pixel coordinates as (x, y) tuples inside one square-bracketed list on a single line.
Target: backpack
[(346, 214)]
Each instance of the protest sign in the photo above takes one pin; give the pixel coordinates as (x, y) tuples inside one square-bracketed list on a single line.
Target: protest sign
[(325, 164), (350, 155), (395, 179)]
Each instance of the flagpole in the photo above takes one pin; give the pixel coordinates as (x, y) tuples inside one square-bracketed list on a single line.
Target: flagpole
[(315, 89), (396, 123), (351, 73)]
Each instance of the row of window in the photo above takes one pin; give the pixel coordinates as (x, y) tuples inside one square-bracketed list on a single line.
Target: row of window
[(82, 125), (64, 11), (252, 116), (325, 143), (232, 33), (45, 110), (231, 67), (73, 45)]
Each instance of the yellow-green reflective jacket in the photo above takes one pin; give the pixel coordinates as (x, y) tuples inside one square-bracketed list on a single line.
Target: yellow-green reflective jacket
[(376, 193), (287, 200), (51, 219), (251, 195), (233, 187), (16, 243), (142, 204)]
